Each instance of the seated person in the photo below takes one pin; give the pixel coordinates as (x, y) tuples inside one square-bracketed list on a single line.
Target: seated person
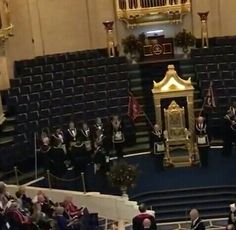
[(232, 217), (64, 223)]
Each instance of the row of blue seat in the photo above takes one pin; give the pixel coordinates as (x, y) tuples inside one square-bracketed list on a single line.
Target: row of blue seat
[(224, 66), (227, 49)]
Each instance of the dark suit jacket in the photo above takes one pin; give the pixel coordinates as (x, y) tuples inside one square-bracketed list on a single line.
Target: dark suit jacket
[(138, 221), (198, 225)]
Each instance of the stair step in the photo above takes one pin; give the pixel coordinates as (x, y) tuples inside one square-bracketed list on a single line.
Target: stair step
[(8, 128), (137, 148)]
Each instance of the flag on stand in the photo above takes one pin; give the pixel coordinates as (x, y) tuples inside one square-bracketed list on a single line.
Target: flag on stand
[(210, 98), (134, 109)]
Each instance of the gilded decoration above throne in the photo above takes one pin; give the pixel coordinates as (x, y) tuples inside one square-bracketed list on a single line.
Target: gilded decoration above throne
[(172, 82)]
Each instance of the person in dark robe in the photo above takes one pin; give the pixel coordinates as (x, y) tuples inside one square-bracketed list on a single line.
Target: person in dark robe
[(158, 144), (57, 160), (86, 139), (228, 133), (196, 222), (118, 136), (59, 137), (202, 139), (45, 146), (138, 220), (71, 140), (232, 217)]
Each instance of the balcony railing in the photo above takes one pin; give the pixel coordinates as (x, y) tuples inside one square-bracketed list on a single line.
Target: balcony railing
[(141, 12)]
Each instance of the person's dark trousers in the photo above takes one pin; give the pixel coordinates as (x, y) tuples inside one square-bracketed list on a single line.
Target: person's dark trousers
[(203, 154)]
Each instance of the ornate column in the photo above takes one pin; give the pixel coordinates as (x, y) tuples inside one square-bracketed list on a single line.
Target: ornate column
[(191, 118), (5, 32), (204, 29), (110, 38)]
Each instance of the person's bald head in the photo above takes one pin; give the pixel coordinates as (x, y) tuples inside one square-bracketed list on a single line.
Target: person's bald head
[(194, 214), (200, 119), (146, 223)]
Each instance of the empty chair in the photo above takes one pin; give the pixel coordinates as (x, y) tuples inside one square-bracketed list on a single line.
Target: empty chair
[(48, 77), (33, 125), (27, 71), (45, 113), (101, 95), (44, 123), (200, 67), (57, 93), (113, 102), (122, 67), (12, 100), (20, 138), (37, 79), (16, 82), (204, 84), (69, 74), (89, 96), (79, 89), (232, 91), (124, 109), (217, 83), (45, 95), (69, 65), (91, 62), (69, 82), (57, 101), (79, 107), (21, 118), (15, 91), (66, 118), (123, 84), (61, 58), (91, 88), (48, 85), (24, 99), (209, 59), (230, 57), (101, 86), (124, 100), (58, 67), (56, 120), (68, 91), (113, 77), (122, 92), (33, 115), (111, 68), (114, 110), (220, 58), (223, 66), (23, 108), (212, 67), (226, 74), (37, 87), (26, 89), (72, 56), (229, 83), (100, 78), (44, 104), (68, 109), (26, 80), (21, 127), (34, 106), (90, 79), (80, 64), (92, 71), (222, 100), (101, 70), (78, 98), (202, 76), (58, 76), (79, 81), (123, 75), (112, 85), (233, 65), (50, 59), (112, 93), (214, 75), (34, 97), (48, 68), (56, 110), (101, 103), (102, 112), (68, 100), (58, 84), (220, 92), (37, 70), (79, 116), (91, 105)]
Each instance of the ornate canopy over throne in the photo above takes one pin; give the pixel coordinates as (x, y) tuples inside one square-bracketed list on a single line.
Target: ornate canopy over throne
[(177, 121)]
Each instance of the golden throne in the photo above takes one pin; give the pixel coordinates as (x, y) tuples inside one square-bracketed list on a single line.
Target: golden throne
[(177, 136)]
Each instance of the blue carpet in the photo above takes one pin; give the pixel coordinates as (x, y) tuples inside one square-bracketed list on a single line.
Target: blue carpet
[(220, 171)]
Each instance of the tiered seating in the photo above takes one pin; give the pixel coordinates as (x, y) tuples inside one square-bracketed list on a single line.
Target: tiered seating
[(51, 90), (217, 64)]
